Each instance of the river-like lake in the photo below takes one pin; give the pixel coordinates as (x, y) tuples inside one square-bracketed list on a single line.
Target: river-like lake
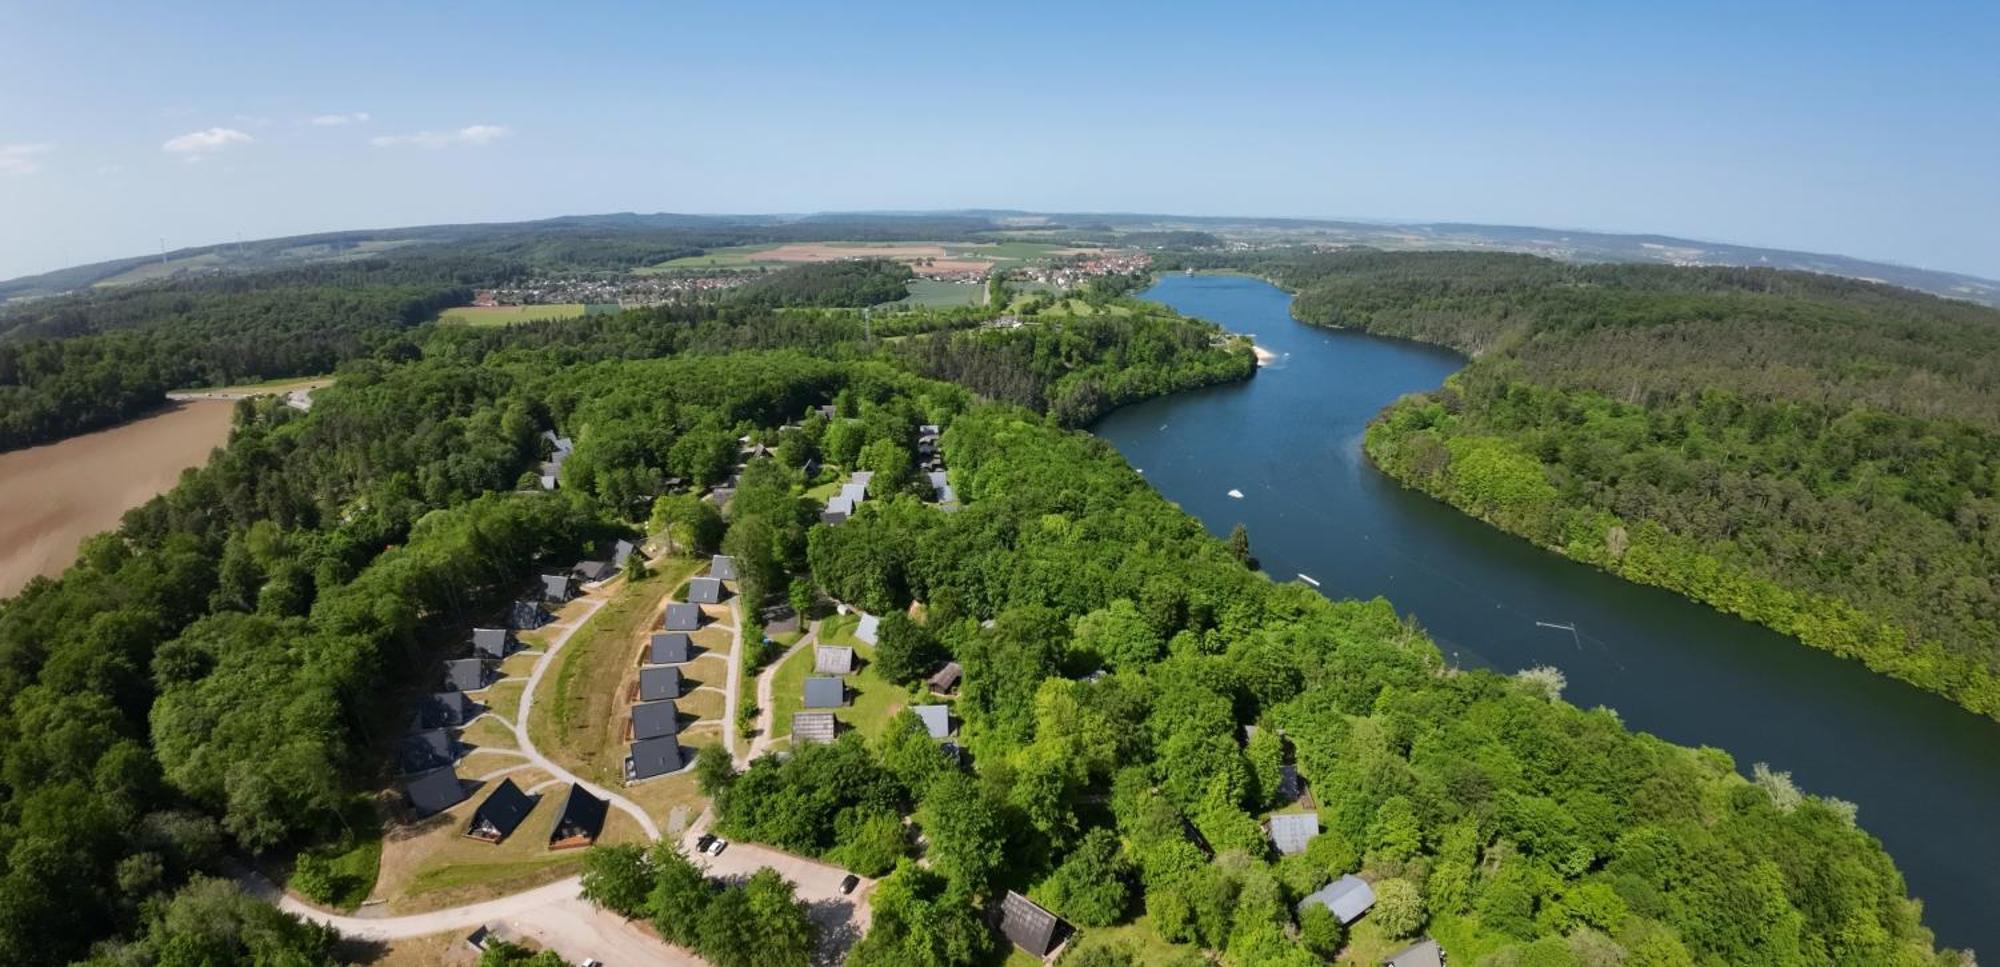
[(1925, 773)]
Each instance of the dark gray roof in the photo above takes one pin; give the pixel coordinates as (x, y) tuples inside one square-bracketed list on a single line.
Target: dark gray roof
[(822, 692), (491, 642), (440, 709), (946, 678), (466, 674), (434, 792), (1348, 897), (555, 587), (652, 720), (501, 813), (936, 719), (668, 648), (1290, 832), (683, 617), (818, 727), (652, 757), (659, 683), (593, 570), (620, 553), (1423, 953), (833, 660), (424, 751), (527, 614), (1030, 927), (723, 567), (582, 816), (832, 517), (705, 591)]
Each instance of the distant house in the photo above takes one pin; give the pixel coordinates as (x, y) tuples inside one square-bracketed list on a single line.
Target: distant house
[(620, 553), (1423, 953), (853, 493), (941, 488), (837, 509), (590, 572), (683, 617), (936, 719), (652, 757), (467, 675), (819, 727), (434, 792), (826, 411), (945, 680), (722, 567), (653, 720), (443, 710), (1290, 832), (1348, 897), (833, 660), (865, 631), (659, 684), (501, 813), (823, 692), (668, 648), (556, 588), (832, 517), (491, 642), (705, 591), (581, 821), (1030, 927), (424, 751), (524, 615)]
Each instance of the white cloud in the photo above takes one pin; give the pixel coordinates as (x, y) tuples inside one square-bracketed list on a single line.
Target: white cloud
[(473, 134), (336, 120), (19, 159), (197, 143)]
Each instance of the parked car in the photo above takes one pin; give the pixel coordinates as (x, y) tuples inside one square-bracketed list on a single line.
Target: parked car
[(848, 883), (701, 845), (716, 848)]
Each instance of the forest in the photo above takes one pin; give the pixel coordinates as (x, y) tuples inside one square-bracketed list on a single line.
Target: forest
[(860, 282), (1816, 454)]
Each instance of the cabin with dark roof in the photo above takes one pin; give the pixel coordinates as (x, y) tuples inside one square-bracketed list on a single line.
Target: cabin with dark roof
[(652, 757), (945, 680), (683, 617), (467, 675), (491, 642), (833, 660), (1290, 832), (658, 684), (582, 819), (434, 792), (501, 813), (722, 567), (1423, 953), (705, 591), (590, 572), (1030, 927), (443, 710), (525, 615), (424, 751), (556, 588), (818, 727), (621, 552), (825, 692), (653, 720), (668, 648)]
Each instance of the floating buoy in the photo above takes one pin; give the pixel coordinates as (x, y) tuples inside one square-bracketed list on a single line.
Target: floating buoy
[(1238, 494)]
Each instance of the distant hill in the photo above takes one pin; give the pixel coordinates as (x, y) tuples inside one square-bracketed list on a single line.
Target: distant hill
[(553, 242)]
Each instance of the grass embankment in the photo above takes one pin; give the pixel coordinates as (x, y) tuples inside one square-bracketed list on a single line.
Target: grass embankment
[(436, 866), (871, 699)]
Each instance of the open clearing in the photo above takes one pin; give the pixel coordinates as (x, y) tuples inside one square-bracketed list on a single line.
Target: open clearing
[(871, 700), (927, 258), (509, 315), (933, 292), (58, 494), (431, 864)]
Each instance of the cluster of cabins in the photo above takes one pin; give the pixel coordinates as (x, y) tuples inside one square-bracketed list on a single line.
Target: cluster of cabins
[(560, 447), (653, 726), (930, 461), (826, 689)]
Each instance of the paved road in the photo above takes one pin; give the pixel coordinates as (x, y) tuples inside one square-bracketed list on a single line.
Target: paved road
[(421, 924)]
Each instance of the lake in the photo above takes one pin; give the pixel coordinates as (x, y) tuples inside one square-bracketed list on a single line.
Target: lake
[(58, 494), (1925, 773)]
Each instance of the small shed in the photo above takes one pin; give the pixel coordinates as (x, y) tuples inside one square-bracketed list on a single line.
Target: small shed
[(1423, 953), (659, 684), (825, 692), (820, 727), (722, 567), (424, 751), (501, 813), (668, 648), (945, 680), (1290, 832), (581, 821), (869, 627), (936, 719), (556, 588), (653, 720), (683, 617), (1348, 898), (833, 660), (652, 757), (444, 709), (434, 792), (490, 642), (466, 675), (1030, 927), (705, 591)]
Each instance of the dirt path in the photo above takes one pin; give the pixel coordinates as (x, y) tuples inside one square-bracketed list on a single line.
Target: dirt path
[(762, 742), (731, 700)]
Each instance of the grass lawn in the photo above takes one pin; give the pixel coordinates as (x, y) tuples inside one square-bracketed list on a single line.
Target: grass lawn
[(485, 762), (661, 797), (1137, 938), (931, 292), (520, 664), (503, 696), (872, 700), (437, 866), (579, 715), (509, 315), (438, 948), (488, 733), (734, 257), (357, 861)]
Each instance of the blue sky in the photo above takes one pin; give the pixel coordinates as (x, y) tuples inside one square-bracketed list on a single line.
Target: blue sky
[(1865, 129)]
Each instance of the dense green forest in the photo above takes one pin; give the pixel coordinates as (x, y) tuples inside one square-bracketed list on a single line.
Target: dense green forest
[(1817, 454), (861, 282)]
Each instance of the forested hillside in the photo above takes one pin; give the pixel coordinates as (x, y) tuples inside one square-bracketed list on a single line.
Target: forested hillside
[(1817, 454), (861, 282)]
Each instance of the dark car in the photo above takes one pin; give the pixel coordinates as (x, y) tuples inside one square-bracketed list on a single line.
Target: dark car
[(701, 845), (848, 883)]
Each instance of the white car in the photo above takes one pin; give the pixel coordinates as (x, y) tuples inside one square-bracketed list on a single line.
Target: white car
[(716, 848)]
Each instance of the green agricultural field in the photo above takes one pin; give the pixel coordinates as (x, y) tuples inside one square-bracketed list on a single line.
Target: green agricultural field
[(160, 270), (734, 257), (509, 315), (931, 292)]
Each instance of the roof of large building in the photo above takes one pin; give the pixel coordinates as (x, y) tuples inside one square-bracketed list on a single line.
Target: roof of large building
[(865, 631), (1290, 832), (824, 692), (501, 813), (659, 683), (424, 751), (434, 792), (1030, 927), (818, 727), (705, 591), (652, 757), (1423, 953), (945, 679), (668, 647), (1348, 897), (833, 660), (936, 719), (683, 617), (722, 567), (491, 642), (465, 674), (582, 816), (652, 720)]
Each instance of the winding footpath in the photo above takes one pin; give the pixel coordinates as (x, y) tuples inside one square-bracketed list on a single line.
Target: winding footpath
[(766, 695)]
